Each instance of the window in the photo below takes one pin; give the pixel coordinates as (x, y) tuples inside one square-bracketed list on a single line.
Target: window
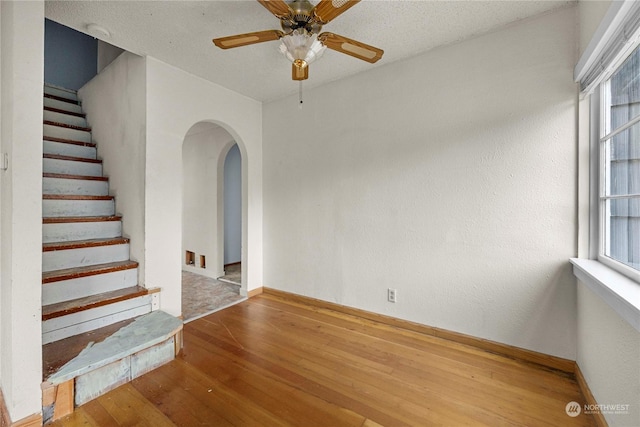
[(619, 166)]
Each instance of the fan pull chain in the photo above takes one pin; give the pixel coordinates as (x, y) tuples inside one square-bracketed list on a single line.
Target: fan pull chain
[(300, 94)]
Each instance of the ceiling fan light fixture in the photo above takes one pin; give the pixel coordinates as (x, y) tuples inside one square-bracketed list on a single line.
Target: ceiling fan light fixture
[(300, 45)]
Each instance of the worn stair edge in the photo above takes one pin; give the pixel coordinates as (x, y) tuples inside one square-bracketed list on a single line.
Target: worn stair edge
[(65, 219), (69, 141), (145, 331), (74, 197), (70, 158), (66, 125), (60, 309), (81, 244), (92, 270), (79, 177), (60, 98), (69, 113)]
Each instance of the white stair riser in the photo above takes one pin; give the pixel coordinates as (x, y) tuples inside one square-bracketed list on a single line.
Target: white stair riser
[(81, 287), (83, 187), (55, 208), (64, 149), (61, 105), (71, 167), (66, 133), (61, 92), (88, 320), (79, 257), (52, 116), (70, 231)]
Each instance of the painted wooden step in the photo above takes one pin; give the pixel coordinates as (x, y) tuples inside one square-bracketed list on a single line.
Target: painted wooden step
[(63, 147), (88, 271), (57, 205), (75, 317), (53, 163), (75, 184), (120, 275), (58, 116), (63, 229), (58, 130), (60, 92), (63, 255), (59, 104)]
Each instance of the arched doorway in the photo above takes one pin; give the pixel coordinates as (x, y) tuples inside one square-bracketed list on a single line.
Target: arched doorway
[(205, 149)]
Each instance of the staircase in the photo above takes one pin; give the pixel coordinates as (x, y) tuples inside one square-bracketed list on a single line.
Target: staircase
[(89, 284)]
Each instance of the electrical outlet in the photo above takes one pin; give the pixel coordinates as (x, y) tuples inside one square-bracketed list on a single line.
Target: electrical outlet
[(391, 295)]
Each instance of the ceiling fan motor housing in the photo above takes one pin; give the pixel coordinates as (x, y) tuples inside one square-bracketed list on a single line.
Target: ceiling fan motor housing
[(301, 18)]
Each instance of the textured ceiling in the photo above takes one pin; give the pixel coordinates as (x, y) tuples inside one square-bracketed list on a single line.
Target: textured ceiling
[(180, 32)]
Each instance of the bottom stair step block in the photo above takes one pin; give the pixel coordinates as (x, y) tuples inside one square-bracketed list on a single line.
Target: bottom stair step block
[(142, 345)]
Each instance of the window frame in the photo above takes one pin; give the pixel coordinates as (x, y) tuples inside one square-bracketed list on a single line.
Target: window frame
[(599, 112)]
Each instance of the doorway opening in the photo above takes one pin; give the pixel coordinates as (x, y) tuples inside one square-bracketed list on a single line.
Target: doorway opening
[(205, 203), (232, 212)]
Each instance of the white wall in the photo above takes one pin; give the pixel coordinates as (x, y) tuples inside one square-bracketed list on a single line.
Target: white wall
[(107, 53), (608, 348), (450, 176), (114, 102), (22, 59), (176, 101), (203, 153), (590, 13), (609, 357)]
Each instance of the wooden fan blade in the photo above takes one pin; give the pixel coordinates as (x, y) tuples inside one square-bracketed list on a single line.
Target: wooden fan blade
[(351, 47), (328, 10), (278, 7), (299, 73), (248, 38)]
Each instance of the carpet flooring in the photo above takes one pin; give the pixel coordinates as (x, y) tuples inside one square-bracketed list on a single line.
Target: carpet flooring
[(203, 295)]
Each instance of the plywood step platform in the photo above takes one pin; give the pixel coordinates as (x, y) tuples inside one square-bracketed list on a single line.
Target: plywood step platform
[(103, 359)]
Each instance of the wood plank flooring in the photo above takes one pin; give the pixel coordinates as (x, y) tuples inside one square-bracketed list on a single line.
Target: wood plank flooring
[(270, 361)]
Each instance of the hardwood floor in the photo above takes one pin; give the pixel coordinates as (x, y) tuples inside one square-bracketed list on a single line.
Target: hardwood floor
[(270, 361)]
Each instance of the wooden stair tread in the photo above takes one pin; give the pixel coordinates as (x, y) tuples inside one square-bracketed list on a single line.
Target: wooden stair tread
[(61, 98), (68, 141), (81, 177), (79, 244), (70, 158), (69, 113), (65, 219), (93, 301), (66, 125), (74, 197), (85, 271)]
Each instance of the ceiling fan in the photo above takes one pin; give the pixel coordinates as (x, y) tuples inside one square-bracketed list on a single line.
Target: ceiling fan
[(302, 44)]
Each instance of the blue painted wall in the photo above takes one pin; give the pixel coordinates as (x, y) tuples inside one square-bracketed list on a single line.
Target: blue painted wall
[(233, 206), (70, 57)]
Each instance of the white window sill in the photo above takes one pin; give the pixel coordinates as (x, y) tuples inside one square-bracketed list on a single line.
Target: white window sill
[(620, 292)]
